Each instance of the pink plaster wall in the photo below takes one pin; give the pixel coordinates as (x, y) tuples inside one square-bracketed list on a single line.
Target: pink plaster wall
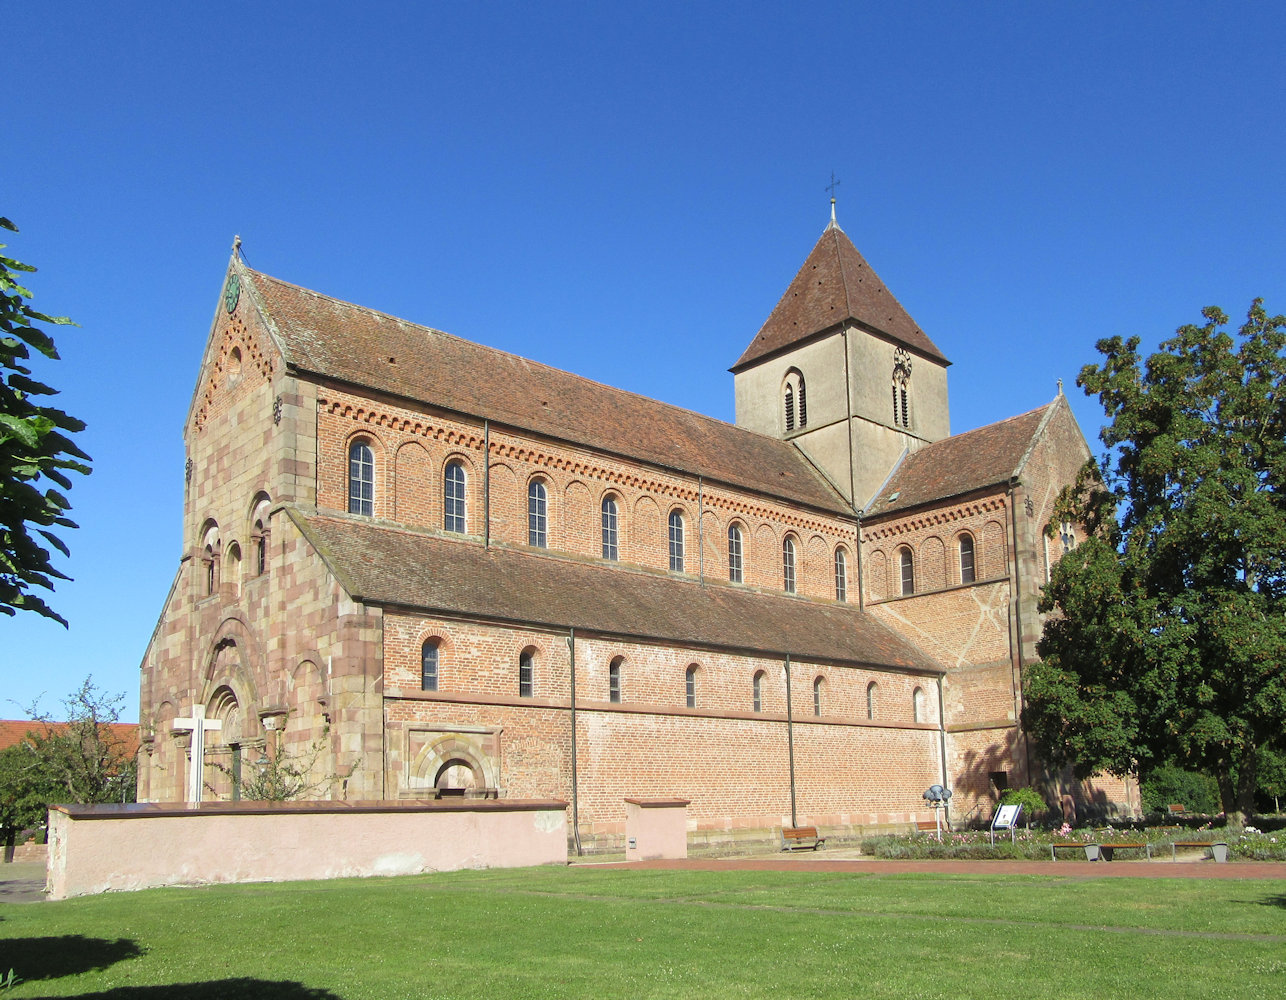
[(112, 848), (656, 828)]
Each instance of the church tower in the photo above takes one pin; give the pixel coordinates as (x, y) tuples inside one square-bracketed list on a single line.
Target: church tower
[(841, 370)]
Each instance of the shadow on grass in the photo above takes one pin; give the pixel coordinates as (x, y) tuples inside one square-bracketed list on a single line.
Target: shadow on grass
[(67, 955), (218, 989), (1278, 900)]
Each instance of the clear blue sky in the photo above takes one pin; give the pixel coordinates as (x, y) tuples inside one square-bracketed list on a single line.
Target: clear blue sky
[(622, 190)]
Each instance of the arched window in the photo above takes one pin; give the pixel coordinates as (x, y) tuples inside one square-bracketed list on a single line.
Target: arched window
[(841, 574), (736, 567), (611, 537), (361, 478), (210, 572), (906, 563), (614, 680), (690, 686), (901, 388), (259, 534), (871, 690), (233, 575), (526, 673), (967, 574), (537, 514), (817, 695), (676, 542), (453, 506), (759, 691), (795, 400), (788, 565), (429, 665), (261, 550), (917, 704)]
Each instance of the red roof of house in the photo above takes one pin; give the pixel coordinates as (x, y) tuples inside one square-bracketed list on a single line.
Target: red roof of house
[(14, 731), (834, 286)]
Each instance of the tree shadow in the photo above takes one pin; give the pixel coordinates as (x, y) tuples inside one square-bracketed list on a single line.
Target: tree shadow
[(218, 989), (66, 955), (1277, 900)]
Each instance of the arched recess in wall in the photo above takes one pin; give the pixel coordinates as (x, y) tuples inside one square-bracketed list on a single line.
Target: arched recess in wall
[(576, 509), (306, 695), (933, 564), (995, 550), (161, 754), (649, 548), (232, 660), (415, 494), (455, 758), (232, 568), (768, 549), (817, 557), (508, 511), (209, 552), (877, 575)]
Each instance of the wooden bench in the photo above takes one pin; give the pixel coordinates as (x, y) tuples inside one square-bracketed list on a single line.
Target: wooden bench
[(1218, 849), (800, 838), (1107, 850), (1077, 845), (1176, 808), (927, 825)]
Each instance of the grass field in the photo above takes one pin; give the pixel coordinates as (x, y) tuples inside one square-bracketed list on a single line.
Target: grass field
[(582, 932)]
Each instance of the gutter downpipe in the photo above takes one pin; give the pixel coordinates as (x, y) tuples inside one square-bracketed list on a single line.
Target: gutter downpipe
[(861, 589), (942, 745), (1016, 661), (486, 484), (701, 533), (571, 648), (790, 744)]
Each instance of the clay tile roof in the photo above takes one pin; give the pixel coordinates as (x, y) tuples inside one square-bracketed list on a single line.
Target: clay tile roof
[(386, 565), (834, 286), (14, 731), (960, 464), (327, 337)]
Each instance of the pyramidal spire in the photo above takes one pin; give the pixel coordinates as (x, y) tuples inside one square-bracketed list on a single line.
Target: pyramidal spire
[(831, 188)]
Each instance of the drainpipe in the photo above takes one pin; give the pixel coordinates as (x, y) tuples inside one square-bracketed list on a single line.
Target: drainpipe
[(486, 484), (942, 746), (790, 744), (861, 589), (1016, 661), (701, 533), (571, 647)]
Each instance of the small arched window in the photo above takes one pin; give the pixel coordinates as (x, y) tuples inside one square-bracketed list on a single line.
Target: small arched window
[(841, 574), (261, 549), (611, 536), (818, 683), (210, 572), (871, 691), (526, 673), (614, 680), (429, 665), (361, 478), (233, 575), (901, 388), (788, 565), (794, 401), (906, 565), (917, 704), (537, 514), (453, 503), (759, 691), (676, 542), (690, 686), (736, 566), (967, 574)]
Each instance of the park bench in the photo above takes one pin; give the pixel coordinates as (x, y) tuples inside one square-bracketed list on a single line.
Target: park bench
[(1176, 808), (1218, 849), (1107, 850), (927, 825), (1090, 855), (800, 838)]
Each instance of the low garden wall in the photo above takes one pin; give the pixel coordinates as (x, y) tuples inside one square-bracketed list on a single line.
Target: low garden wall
[(143, 845)]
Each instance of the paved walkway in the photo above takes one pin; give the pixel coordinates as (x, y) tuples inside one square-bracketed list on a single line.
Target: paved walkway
[(22, 882)]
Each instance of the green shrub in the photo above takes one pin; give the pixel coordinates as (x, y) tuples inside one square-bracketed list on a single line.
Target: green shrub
[(1033, 803), (1199, 793)]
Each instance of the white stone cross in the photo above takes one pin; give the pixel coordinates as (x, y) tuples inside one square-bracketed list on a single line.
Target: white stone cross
[(198, 723)]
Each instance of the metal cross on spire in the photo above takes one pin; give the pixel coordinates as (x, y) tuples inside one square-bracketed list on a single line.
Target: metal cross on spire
[(831, 188)]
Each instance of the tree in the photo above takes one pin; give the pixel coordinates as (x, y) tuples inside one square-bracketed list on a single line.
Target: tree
[(1166, 636), (25, 794), (85, 759), (35, 450)]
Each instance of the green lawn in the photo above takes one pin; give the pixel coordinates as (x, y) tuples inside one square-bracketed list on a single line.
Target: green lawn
[(582, 932)]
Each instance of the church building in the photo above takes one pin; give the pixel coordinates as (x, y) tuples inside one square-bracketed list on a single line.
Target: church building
[(424, 567)]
